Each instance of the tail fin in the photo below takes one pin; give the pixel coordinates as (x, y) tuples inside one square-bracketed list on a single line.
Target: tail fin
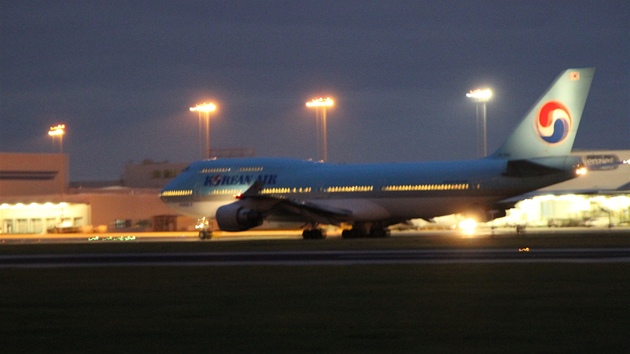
[(550, 126)]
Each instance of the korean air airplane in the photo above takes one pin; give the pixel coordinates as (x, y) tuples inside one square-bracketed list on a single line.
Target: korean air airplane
[(241, 193)]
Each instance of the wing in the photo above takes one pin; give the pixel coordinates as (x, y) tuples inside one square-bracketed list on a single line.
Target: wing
[(282, 207)]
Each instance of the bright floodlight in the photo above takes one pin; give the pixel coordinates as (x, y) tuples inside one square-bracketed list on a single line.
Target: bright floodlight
[(204, 110), (480, 95), (320, 102), (204, 107), (468, 226), (57, 130)]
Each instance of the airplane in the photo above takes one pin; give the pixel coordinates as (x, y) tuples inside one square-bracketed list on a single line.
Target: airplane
[(240, 193)]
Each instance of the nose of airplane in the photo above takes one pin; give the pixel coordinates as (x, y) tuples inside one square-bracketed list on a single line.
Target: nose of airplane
[(177, 189)]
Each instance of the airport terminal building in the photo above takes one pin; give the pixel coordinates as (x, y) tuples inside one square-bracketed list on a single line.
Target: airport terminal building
[(36, 196), (599, 198)]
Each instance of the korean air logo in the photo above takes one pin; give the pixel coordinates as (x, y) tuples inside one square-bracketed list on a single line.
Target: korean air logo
[(214, 180), (239, 179), (554, 122)]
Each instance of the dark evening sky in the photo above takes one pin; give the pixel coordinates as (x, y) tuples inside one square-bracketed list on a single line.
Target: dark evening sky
[(122, 74)]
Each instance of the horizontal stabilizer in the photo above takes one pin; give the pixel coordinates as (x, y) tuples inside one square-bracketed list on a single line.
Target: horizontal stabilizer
[(542, 166)]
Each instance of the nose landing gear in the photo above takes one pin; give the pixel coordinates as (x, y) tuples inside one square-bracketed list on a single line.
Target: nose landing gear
[(205, 231)]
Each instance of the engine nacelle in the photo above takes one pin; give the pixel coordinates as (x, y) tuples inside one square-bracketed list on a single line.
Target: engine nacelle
[(237, 217)]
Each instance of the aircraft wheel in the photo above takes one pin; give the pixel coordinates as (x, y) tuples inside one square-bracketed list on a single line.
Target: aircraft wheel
[(203, 234), (352, 233), (380, 233), (313, 234)]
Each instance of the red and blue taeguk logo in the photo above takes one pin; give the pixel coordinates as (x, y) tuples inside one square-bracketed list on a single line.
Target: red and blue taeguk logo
[(554, 122)]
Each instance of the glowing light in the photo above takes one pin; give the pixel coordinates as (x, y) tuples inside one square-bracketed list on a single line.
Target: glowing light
[(202, 224), (110, 238), (176, 193), (526, 249), (480, 95), (320, 102), (468, 226), (204, 107), (581, 171), (59, 129), (317, 104)]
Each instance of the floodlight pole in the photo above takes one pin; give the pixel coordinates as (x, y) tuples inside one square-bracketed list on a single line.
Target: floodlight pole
[(322, 103), (59, 130), (205, 109), (480, 97)]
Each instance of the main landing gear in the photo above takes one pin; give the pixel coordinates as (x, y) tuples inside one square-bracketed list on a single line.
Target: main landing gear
[(366, 231), (314, 234)]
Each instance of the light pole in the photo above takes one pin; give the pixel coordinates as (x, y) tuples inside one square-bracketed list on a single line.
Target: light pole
[(58, 130), (322, 103), (480, 97), (205, 109)]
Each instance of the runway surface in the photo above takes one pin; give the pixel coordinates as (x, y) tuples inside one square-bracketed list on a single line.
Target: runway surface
[(191, 236), (296, 258), (288, 249)]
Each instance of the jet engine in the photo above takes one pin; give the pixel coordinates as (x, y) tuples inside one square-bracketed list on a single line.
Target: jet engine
[(237, 217)]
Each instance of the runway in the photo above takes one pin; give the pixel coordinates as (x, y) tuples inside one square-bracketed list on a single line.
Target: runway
[(298, 258), (220, 236)]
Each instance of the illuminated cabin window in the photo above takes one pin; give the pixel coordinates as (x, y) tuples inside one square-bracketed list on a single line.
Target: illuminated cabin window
[(177, 193), (348, 189), (427, 187), (285, 190), (226, 191), (250, 169), (214, 170)]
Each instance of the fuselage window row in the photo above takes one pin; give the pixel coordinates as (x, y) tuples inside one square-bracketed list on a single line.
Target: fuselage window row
[(250, 169), (177, 193), (427, 187), (226, 192), (215, 170), (336, 189), (285, 190)]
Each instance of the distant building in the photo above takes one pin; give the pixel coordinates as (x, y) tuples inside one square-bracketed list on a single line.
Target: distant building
[(149, 174), (599, 198), (35, 197), (33, 174)]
